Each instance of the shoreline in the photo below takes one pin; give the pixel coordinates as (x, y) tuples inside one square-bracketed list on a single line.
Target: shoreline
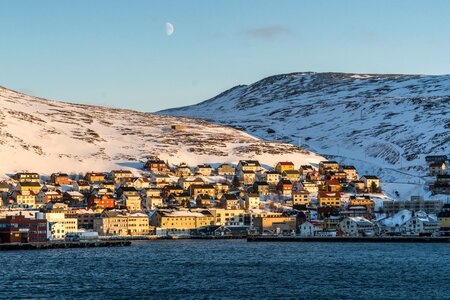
[(63, 244), (386, 239)]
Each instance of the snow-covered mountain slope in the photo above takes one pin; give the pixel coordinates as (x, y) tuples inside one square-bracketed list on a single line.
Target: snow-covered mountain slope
[(384, 124), (48, 136)]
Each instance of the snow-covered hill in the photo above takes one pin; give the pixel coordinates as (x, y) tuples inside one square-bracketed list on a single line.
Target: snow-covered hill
[(48, 136), (383, 124)]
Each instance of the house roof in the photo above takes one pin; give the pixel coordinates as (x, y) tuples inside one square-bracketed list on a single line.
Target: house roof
[(30, 183), (291, 172), (435, 157), (329, 162), (204, 197), (355, 197), (333, 182), (373, 177), (230, 197), (95, 174), (180, 213), (249, 162), (74, 194), (348, 167), (444, 214), (304, 192), (204, 166), (285, 181), (306, 167), (121, 172), (253, 195), (445, 176), (360, 221), (286, 163), (329, 194)]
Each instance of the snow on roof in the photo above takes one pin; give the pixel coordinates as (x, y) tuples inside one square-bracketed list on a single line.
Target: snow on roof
[(181, 213), (75, 194), (398, 219), (360, 220)]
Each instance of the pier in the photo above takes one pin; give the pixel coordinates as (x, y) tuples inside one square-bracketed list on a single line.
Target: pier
[(384, 239), (63, 244)]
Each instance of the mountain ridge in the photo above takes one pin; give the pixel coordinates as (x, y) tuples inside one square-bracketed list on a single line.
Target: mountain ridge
[(48, 136), (377, 122)]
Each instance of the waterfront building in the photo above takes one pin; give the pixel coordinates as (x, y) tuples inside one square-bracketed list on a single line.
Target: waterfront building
[(121, 223), (179, 221), (416, 203), (356, 226), (18, 229)]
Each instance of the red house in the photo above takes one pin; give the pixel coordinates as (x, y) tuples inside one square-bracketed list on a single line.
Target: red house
[(284, 187), (18, 229), (102, 202), (156, 165)]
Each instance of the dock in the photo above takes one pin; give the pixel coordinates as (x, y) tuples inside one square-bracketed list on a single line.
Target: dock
[(384, 239), (63, 244)]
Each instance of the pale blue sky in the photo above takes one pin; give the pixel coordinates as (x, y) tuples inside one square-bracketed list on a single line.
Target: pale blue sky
[(116, 53)]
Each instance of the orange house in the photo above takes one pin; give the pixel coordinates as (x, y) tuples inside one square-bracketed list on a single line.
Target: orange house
[(102, 202)]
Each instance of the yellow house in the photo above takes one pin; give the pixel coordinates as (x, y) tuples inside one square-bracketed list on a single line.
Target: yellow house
[(330, 199), (180, 219), (249, 165), (115, 222), (361, 201), (27, 198), (206, 189), (301, 197), (32, 186), (284, 166), (248, 177), (95, 177), (221, 216), (111, 222), (292, 175), (117, 175), (186, 183), (272, 177), (137, 224), (328, 166), (27, 177), (132, 201)]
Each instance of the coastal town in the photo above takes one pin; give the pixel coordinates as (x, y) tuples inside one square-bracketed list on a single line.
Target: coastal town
[(227, 200)]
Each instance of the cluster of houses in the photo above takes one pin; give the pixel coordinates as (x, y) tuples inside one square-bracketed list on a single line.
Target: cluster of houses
[(437, 166), (325, 200)]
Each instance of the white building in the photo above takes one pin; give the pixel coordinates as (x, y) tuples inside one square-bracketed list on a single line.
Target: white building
[(407, 222), (65, 224), (251, 201), (309, 228), (56, 231), (356, 226)]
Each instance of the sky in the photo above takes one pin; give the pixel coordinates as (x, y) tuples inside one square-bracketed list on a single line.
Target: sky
[(117, 53)]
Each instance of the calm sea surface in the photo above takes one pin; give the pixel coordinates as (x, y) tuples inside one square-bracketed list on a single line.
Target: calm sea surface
[(233, 269)]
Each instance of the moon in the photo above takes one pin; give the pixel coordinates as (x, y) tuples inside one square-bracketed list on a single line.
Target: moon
[(169, 29)]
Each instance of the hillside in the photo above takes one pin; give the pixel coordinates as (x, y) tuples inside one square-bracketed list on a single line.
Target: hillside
[(383, 124), (48, 136)]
